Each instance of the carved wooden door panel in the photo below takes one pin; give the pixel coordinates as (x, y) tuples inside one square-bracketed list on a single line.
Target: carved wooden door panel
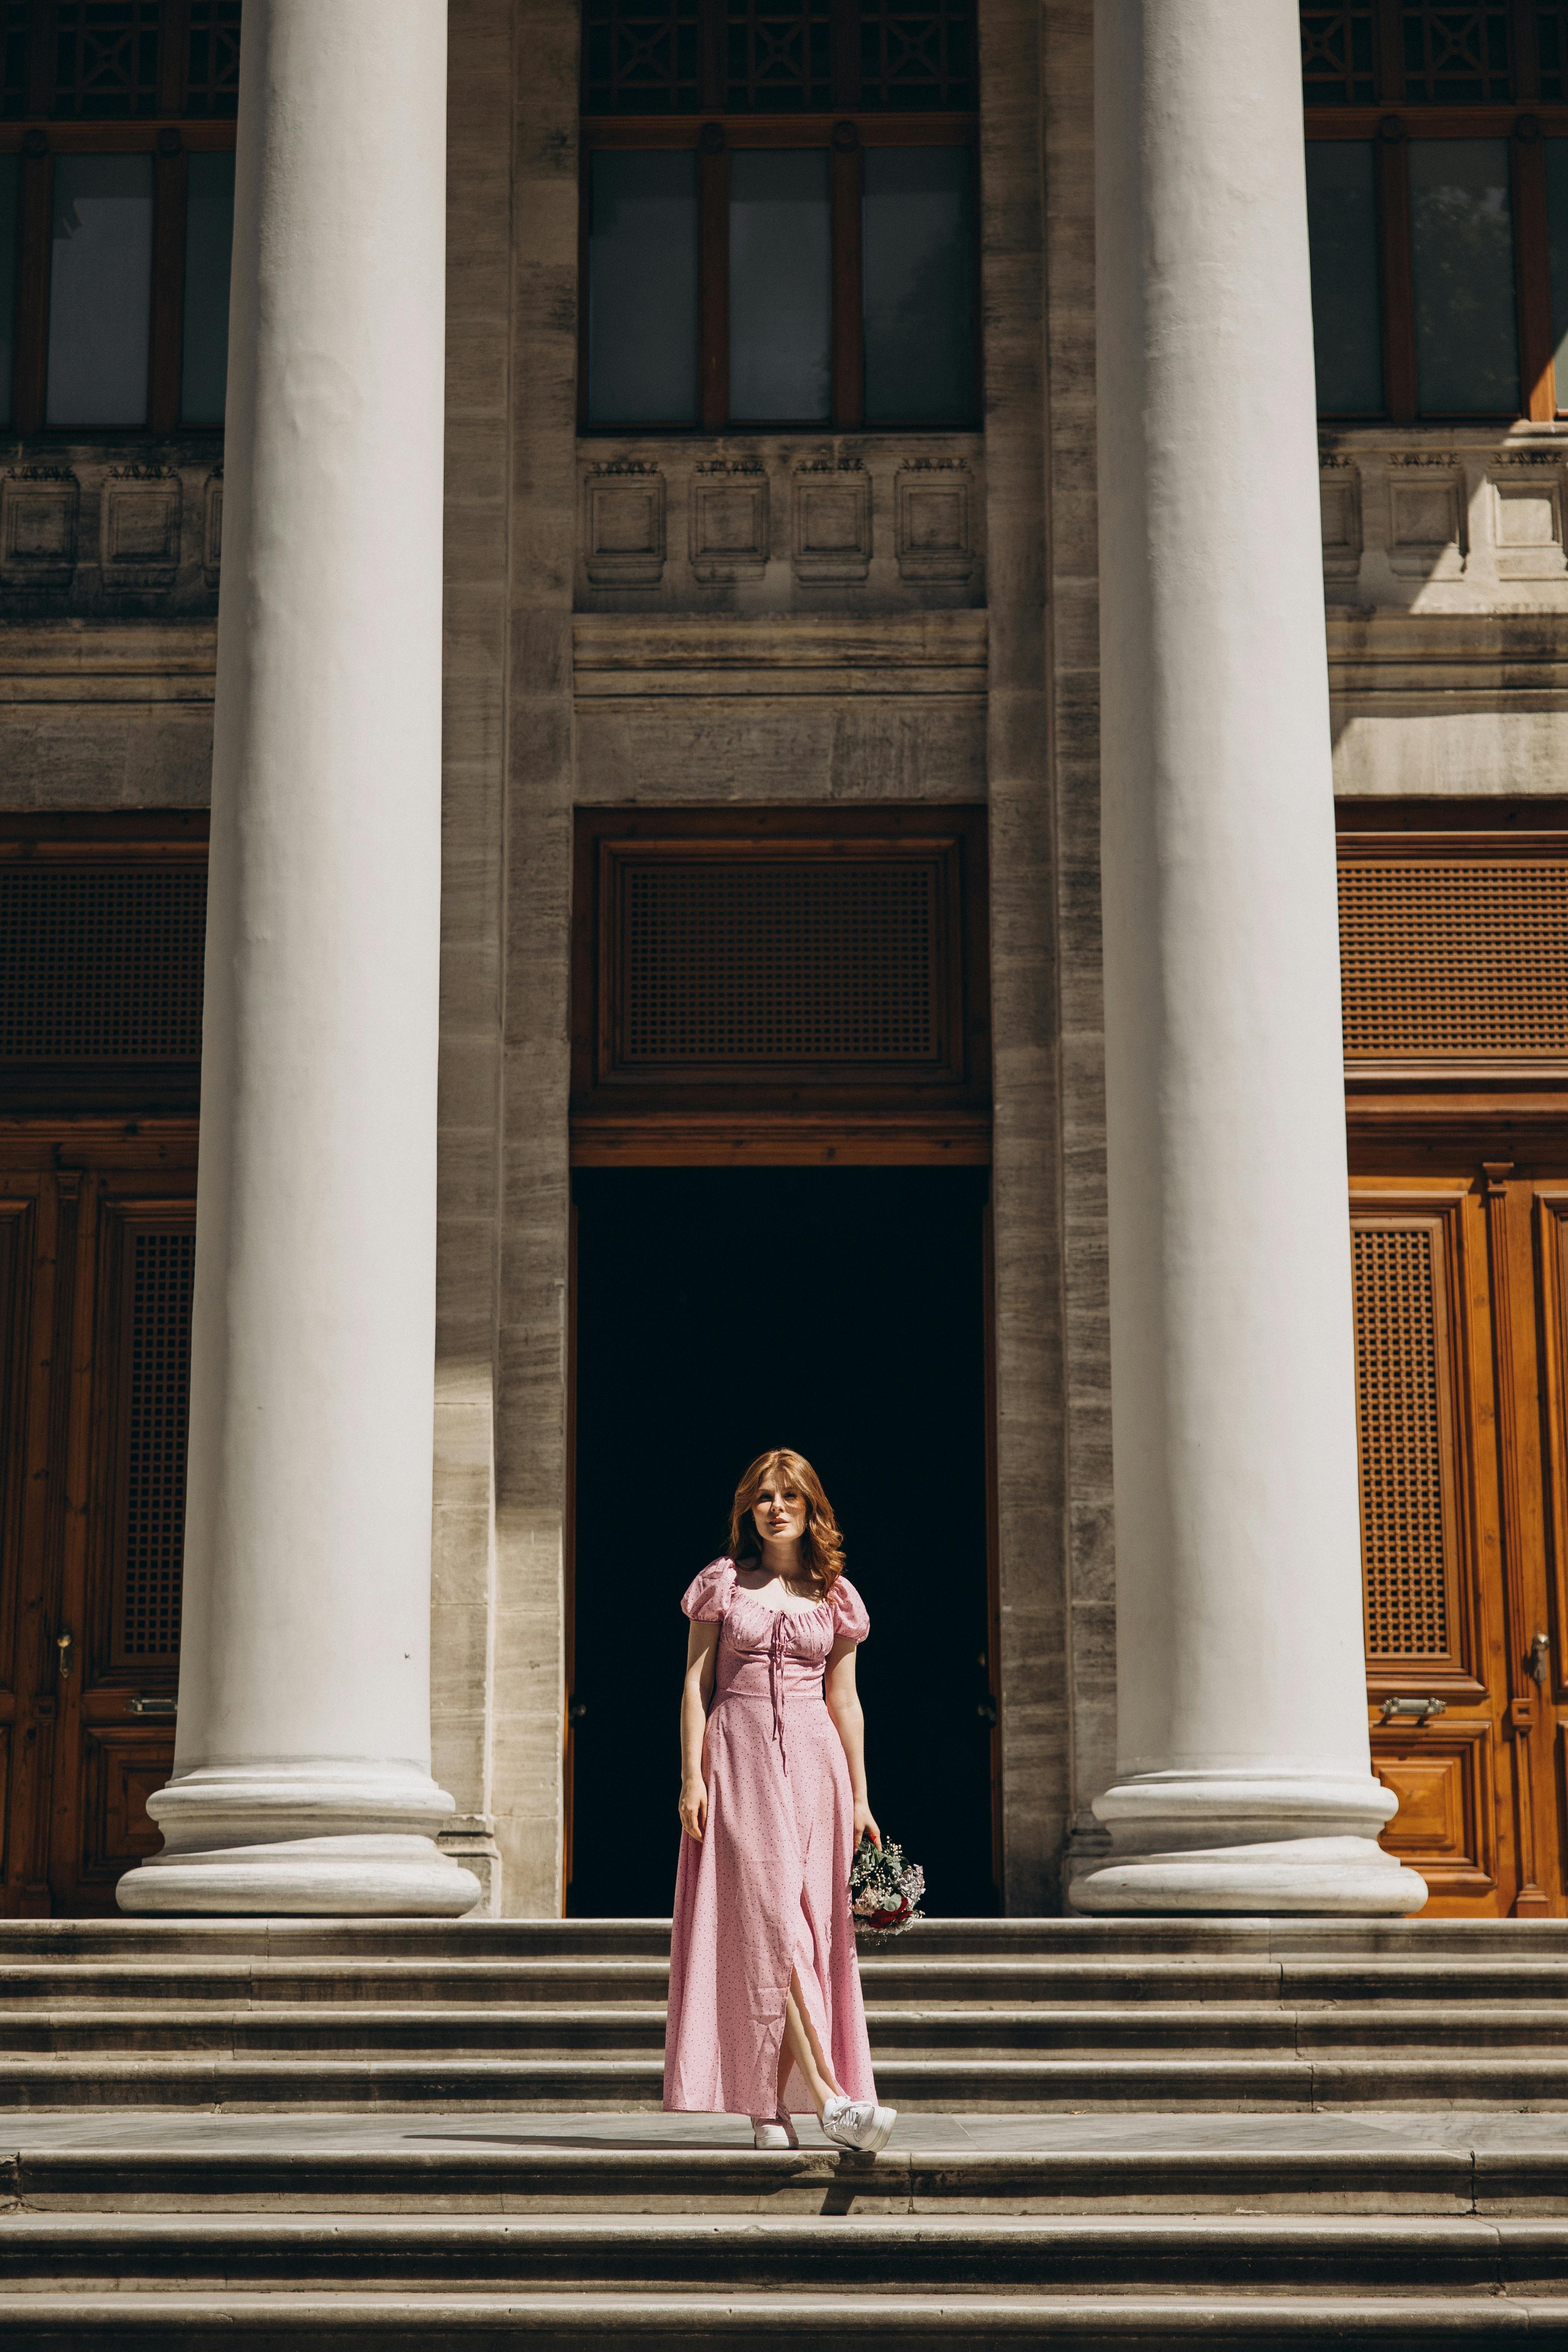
[(95, 1284), (1453, 1566), (1550, 1237)]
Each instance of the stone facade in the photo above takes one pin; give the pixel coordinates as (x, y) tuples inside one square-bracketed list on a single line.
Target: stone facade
[(779, 617)]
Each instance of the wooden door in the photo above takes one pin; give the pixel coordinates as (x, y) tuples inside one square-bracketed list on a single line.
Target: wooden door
[(97, 1243), (1450, 1351)]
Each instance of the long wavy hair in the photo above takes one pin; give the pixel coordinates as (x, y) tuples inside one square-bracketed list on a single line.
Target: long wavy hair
[(821, 1545)]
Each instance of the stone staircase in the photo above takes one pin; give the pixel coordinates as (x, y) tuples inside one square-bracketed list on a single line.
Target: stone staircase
[(292, 2134)]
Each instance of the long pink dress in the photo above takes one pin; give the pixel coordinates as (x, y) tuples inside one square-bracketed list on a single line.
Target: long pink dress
[(766, 1890)]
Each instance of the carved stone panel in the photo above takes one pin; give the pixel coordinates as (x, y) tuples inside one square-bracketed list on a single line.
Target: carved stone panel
[(212, 525), (140, 527), (832, 521), (729, 519), (1427, 533), (1527, 520), (1339, 488), (933, 525), (624, 525), (40, 506)]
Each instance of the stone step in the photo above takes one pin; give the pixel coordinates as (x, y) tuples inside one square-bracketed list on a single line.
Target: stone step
[(1502, 2078), (953, 2256), (495, 2173), (339, 2029), (1368, 1943), (595, 1982), (392, 2321)]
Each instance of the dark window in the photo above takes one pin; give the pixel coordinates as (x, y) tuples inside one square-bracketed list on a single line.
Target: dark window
[(114, 245), (818, 271), (1342, 213), (642, 280), (1437, 207), (919, 272)]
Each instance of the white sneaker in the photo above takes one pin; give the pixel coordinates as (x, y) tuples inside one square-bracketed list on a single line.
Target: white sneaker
[(773, 2131), (859, 2122)]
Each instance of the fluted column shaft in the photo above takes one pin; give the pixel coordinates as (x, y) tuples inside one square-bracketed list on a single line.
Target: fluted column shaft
[(302, 1776), (1244, 1777)]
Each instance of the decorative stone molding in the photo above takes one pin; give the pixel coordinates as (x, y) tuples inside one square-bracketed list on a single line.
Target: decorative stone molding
[(730, 519), (780, 522), (1465, 520), (111, 531), (1340, 487), (624, 524), (831, 514), (1427, 520), (1527, 516), (39, 509), (139, 531), (933, 505), (212, 525)]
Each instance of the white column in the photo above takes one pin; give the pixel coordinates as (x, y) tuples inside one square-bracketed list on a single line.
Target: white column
[(301, 1771), (1244, 1776)]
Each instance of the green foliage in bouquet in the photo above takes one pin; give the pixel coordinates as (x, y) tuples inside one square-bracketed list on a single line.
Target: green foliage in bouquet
[(885, 1890)]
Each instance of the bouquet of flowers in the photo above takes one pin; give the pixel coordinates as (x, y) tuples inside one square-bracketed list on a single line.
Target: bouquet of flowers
[(884, 1891)]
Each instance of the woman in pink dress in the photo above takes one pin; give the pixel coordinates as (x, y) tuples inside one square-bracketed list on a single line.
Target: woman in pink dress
[(765, 2014)]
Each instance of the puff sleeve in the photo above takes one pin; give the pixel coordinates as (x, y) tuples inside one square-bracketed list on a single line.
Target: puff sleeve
[(707, 1598), (850, 1621)]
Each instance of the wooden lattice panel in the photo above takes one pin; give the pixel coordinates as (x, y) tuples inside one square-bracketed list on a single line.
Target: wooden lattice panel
[(1455, 958), (16, 25), (778, 56), (106, 58), (1456, 55), (1399, 1414), (158, 1339), (101, 963), (1551, 49), (917, 55), (1337, 55), (212, 84), (758, 964), (642, 56)]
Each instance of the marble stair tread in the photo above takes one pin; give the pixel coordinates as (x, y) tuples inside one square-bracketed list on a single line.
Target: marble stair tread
[(403, 2322), (1500, 2079), (949, 2254), (1511, 1941)]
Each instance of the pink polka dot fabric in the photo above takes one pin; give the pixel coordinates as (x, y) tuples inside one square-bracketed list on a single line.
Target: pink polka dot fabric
[(767, 1888)]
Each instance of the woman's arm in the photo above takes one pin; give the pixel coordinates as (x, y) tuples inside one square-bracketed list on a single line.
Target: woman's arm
[(701, 1644), (844, 1707)]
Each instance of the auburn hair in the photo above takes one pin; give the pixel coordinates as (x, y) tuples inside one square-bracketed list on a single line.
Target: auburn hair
[(821, 1545)]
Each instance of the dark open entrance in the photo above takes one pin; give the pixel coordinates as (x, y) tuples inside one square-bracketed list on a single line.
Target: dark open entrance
[(839, 1311)]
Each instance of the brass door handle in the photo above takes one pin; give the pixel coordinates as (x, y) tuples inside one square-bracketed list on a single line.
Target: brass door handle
[(1540, 1661), (63, 1644), (1422, 1709)]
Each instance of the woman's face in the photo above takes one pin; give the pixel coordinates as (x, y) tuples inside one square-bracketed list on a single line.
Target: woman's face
[(779, 1513)]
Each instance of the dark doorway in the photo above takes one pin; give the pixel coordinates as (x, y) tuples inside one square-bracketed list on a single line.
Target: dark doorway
[(837, 1310)]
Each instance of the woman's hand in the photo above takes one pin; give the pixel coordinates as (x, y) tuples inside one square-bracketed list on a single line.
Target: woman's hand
[(694, 1809), (865, 1826)]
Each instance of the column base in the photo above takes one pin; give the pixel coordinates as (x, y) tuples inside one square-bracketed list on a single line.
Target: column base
[(1224, 1842), (346, 1841)]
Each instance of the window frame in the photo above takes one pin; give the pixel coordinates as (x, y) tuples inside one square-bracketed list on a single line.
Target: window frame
[(170, 145), (1390, 131), (714, 137)]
